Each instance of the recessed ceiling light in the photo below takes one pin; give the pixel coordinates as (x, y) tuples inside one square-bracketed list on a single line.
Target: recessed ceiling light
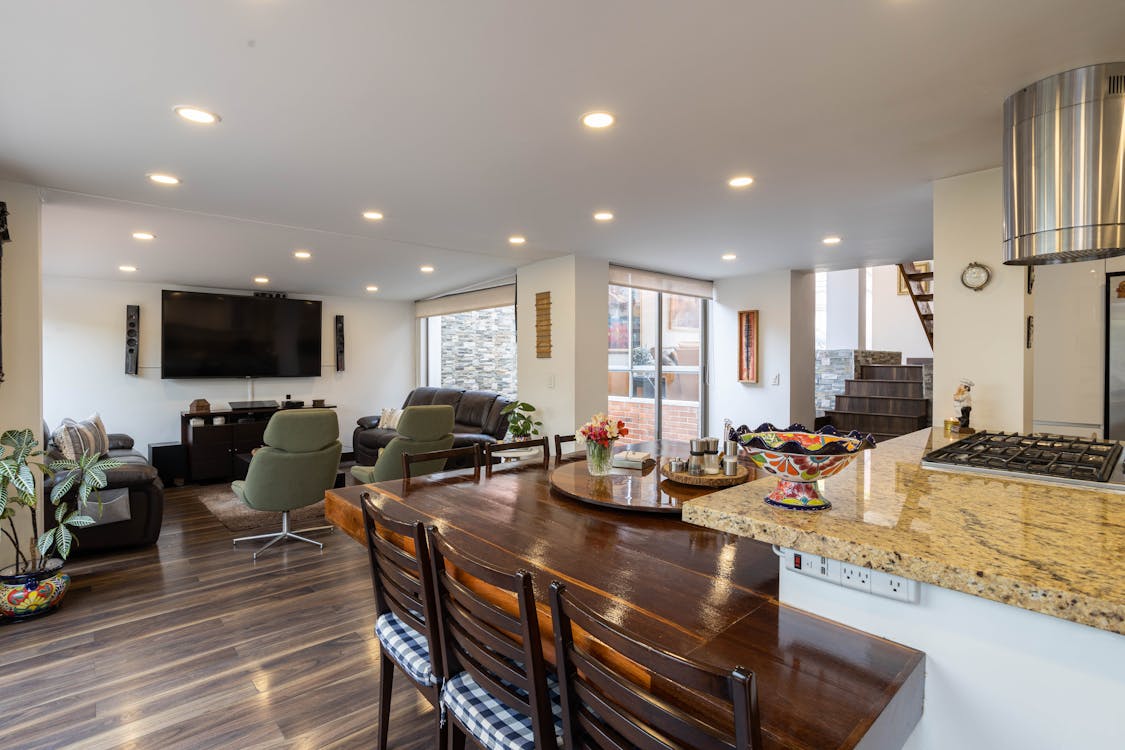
[(261, 280), (372, 288), (127, 269), (163, 179), (372, 215), (603, 216), (729, 256), (597, 119), (517, 239), (741, 181), (831, 240), (197, 115), (426, 269), (302, 254), (144, 236)]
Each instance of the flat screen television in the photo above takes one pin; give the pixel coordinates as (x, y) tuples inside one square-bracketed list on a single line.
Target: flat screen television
[(233, 336)]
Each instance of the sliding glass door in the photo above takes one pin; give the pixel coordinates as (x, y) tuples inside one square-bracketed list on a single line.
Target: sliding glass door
[(656, 363)]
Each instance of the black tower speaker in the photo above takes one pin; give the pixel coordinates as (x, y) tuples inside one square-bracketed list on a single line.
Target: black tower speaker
[(339, 343), (132, 338)]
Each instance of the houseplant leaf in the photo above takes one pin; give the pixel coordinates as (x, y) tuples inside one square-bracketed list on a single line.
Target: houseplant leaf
[(63, 487), (79, 521), (45, 542), (63, 538)]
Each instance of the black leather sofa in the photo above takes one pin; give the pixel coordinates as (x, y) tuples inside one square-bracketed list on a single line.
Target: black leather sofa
[(476, 420), (145, 498)]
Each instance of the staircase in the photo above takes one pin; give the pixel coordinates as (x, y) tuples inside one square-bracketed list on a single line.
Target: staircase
[(885, 400), (920, 285)]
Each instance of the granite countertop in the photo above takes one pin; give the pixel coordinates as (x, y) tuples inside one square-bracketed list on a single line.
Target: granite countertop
[(1047, 548)]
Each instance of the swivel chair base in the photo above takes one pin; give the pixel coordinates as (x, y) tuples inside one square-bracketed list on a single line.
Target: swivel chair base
[(285, 533)]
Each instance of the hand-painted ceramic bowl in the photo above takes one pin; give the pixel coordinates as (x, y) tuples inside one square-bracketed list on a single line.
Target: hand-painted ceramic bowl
[(799, 458), (27, 595)]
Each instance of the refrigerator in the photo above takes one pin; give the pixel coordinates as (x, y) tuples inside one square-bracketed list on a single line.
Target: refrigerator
[(1115, 356)]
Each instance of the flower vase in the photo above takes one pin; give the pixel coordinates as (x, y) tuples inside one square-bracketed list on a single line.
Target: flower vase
[(599, 458)]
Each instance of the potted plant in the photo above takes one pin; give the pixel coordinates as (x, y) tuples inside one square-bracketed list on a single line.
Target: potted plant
[(35, 584), (521, 423)]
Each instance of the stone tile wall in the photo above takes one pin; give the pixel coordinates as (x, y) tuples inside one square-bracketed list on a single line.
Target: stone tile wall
[(834, 366), (478, 350)]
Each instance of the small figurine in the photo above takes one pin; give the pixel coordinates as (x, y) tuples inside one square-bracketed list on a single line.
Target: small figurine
[(963, 398)]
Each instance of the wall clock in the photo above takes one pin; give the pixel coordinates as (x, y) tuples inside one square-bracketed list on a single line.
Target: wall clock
[(976, 276)]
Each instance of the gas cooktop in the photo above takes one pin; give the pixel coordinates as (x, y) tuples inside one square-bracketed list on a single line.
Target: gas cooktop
[(1061, 459)]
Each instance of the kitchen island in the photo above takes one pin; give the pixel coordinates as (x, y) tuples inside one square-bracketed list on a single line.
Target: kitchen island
[(1022, 595)]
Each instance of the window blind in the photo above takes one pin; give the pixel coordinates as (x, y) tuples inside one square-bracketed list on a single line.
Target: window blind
[(661, 282), (482, 299)]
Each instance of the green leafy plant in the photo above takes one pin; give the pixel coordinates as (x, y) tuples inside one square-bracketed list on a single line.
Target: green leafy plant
[(18, 449), (521, 422)]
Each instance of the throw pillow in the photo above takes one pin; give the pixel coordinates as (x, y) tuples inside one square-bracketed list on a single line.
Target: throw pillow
[(73, 439), (388, 418)]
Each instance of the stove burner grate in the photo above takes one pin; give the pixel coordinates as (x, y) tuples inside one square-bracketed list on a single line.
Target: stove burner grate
[(1048, 455)]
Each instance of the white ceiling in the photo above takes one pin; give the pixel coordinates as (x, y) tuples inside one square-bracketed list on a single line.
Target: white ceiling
[(460, 121)]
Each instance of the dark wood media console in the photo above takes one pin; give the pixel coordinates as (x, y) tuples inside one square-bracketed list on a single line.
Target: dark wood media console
[(212, 449)]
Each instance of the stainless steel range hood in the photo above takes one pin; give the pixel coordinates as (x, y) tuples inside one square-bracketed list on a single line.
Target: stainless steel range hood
[(1064, 168)]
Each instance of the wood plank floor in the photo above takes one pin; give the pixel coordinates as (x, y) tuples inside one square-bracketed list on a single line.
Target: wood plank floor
[(191, 644)]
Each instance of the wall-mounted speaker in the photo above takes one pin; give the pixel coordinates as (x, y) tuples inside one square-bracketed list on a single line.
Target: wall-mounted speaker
[(132, 338), (339, 343)]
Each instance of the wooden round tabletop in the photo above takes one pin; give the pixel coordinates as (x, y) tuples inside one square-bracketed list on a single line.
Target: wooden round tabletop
[(638, 490)]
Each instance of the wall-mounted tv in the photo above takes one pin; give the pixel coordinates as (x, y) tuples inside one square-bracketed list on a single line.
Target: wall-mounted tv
[(206, 335)]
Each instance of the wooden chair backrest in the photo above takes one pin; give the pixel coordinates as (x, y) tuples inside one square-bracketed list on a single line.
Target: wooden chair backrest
[(604, 709), (469, 451), (500, 651), (492, 448), (401, 573)]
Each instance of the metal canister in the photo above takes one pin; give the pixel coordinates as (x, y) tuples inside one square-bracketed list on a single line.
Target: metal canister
[(711, 455), (677, 465), (698, 451), (730, 466)]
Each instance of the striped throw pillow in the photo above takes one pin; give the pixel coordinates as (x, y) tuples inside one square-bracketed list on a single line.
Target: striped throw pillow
[(73, 439)]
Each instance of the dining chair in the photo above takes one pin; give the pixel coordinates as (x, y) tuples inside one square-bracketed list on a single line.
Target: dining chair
[(406, 622), (604, 706), (493, 448), (497, 690), (437, 459), (559, 440)]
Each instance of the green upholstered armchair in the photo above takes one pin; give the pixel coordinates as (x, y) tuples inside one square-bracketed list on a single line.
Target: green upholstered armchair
[(421, 429), (298, 463)]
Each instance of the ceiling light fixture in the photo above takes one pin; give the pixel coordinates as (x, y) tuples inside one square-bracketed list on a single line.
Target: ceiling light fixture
[(261, 280), (426, 269), (372, 288), (372, 215), (603, 216), (302, 254), (196, 115), (831, 240), (144, 236), (517, 239), (598, 120), (163, 179), (127, 269), (729, 256), (741, 181)]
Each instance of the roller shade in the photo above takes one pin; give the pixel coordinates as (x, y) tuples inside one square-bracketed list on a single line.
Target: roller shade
[(482, 299), (661, 282)]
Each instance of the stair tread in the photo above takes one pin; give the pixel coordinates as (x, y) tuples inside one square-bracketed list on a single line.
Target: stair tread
[(920, 275), (896, 398), (874, 414), (872, 364), (924, 297), (879, 380)]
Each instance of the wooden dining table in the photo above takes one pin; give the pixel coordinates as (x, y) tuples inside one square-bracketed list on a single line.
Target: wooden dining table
[(688, 589)]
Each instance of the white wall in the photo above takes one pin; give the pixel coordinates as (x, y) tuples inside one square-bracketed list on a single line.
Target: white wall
[(845, 304), (572, 385), (21, 392), (785, 304), (979, 335), (894, 322), (84, 361)]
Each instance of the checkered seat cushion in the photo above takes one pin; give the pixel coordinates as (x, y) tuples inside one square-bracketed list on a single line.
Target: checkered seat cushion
[(493, 724), (407, 647)]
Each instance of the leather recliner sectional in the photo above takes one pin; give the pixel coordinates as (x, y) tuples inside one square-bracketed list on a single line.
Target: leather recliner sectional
[(476, 420)]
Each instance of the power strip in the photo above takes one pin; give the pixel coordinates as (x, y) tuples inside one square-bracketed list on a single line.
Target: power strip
[(851, 576)]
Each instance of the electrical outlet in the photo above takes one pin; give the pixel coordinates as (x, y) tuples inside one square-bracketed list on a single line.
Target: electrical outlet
[(814, 566), (894, 587), (777, 379), (855, 577)]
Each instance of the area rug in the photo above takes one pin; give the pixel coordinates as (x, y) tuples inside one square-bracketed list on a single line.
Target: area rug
[(238, 516)]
